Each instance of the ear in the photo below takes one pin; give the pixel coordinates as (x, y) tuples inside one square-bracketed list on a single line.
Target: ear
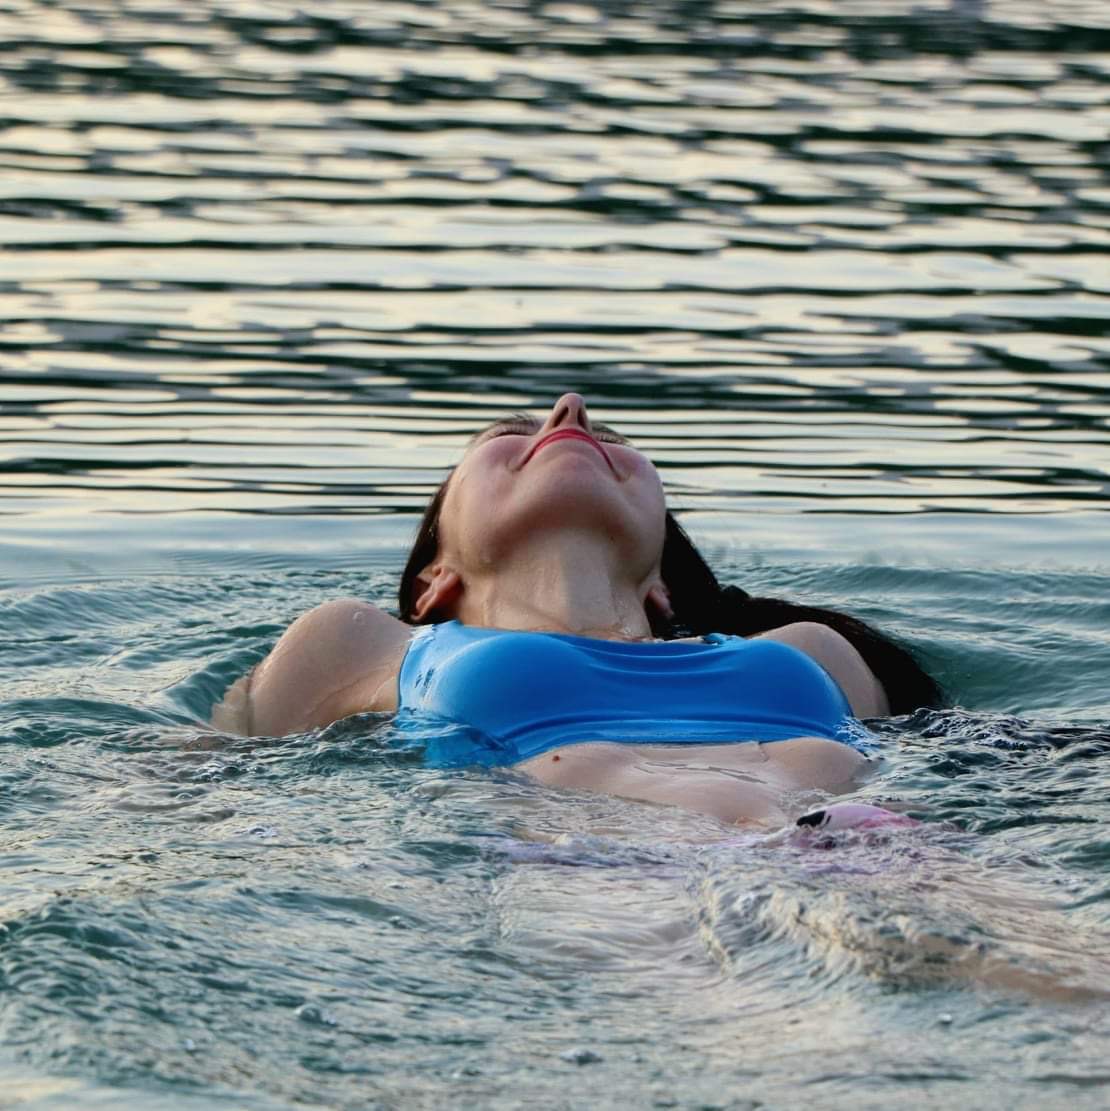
[(659, 597), (437, 588)]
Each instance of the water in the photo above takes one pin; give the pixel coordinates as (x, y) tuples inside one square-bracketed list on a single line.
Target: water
[(840, 270)]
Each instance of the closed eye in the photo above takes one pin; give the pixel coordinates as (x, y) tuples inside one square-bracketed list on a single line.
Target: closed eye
[(516, 428), (608, 435), (527, 426)]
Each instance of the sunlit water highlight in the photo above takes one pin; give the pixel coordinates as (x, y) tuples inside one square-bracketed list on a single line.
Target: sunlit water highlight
[(841, 271)]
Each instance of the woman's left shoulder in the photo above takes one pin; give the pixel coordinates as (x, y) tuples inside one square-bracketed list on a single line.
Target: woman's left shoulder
[(840, 658), (812, 637)]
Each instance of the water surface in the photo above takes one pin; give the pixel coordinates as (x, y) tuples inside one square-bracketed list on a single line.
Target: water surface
[(840, 271)]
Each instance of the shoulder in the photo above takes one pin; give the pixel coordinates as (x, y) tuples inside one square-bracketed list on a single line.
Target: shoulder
[(811, 637), (840, 658), (345, 621), (337, 659), (337, 638)]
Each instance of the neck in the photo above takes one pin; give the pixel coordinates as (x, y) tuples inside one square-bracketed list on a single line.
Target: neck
[(565, 584)]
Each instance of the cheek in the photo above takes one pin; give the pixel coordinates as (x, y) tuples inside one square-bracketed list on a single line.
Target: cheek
[(650, 506), (477, 485), (645, 493), (487, 472), (648, 485)]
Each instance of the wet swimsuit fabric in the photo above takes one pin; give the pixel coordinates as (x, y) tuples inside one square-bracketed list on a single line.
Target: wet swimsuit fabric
[(506, 696)]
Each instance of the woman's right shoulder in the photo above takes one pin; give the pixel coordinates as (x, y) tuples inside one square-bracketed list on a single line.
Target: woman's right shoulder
[(337, 659), (350, 620)]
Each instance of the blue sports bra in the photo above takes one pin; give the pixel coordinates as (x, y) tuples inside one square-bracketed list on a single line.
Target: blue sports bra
[(505, 696)]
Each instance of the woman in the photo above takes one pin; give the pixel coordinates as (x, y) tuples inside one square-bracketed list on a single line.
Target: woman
[(559, 527)]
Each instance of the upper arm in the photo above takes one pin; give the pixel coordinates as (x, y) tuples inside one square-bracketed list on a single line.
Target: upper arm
[(340, 658), (839, 657)]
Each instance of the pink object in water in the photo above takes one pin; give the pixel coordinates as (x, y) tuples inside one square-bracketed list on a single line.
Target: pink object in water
[(853, 815)]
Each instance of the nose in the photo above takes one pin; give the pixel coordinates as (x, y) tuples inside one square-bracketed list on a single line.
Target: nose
[(568, 412)]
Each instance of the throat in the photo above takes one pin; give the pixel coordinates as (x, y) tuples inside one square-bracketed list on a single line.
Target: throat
[(602, 614), (578, 599)]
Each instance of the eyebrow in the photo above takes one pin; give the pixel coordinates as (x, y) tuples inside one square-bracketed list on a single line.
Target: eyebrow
[(535, 422)]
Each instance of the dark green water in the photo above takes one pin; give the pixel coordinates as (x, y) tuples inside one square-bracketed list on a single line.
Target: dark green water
[(841, 270)]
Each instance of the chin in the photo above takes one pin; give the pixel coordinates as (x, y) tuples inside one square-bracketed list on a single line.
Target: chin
[(635, 530)]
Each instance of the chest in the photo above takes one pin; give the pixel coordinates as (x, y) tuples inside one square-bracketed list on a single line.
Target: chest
[(503, 682)]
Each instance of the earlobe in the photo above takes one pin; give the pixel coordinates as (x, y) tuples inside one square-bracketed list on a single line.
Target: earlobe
[(437, 589), (659, 598)]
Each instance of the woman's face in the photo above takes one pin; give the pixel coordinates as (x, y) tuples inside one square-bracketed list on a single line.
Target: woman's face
[(525, 476)]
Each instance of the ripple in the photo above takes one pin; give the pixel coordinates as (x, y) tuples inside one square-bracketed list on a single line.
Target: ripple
[(841, 274)]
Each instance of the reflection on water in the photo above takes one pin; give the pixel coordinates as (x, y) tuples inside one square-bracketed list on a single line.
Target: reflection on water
[(264, 268), (797, 254)]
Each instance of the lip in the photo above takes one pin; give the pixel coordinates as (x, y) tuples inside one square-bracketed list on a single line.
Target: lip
[(569, 434)]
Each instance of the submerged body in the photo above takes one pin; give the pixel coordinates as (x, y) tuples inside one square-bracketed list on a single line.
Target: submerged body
[(544, 577), (697, 721)]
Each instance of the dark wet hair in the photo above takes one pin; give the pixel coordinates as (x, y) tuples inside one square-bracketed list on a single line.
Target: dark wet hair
[(424, 549), (701, 605)]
